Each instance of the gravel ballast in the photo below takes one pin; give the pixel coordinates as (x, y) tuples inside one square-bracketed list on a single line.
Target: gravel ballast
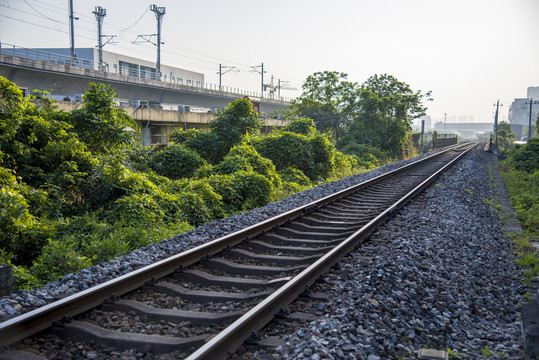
[(442, 276)]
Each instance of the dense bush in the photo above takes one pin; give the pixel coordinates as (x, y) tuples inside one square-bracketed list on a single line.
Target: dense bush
[(314, 155), (140, 209), (293, 175), (64, 207), (367, 156), (346, 165), (244, 157), (526, 158), (205, 143), (21, 208), (521, 176), (176, 161), (111, 180), (323, 156), (304, 126), (285, 150), (524, 190), (242, 190)]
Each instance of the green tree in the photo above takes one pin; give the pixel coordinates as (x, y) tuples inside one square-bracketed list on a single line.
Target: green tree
[(102, 127), (237, 120), (328, 99), (226, 130), (383, 114), (505, 135)]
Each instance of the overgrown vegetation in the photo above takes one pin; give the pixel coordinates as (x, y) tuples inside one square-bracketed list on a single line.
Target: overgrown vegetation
[(505, 136), (520, 172), (78, 188)]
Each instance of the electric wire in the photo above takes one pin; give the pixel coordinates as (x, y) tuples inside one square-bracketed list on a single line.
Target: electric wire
[(140, 18), (42, 26), (40, 13)]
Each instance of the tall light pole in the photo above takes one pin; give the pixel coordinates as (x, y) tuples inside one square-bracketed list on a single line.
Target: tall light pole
[(159, 12)]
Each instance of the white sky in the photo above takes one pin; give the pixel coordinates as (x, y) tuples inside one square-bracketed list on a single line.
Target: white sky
[(468, 52)]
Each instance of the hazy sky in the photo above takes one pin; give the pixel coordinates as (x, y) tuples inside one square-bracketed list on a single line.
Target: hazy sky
[(468, 52)]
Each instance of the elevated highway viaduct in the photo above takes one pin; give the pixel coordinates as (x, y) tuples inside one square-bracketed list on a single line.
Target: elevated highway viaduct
[(63, 79), (155, 122)]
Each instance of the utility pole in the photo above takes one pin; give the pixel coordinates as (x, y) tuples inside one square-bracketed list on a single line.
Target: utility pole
[(445, 122), (530, 118), (159, 12), (260, 69), (72, 32), (496, 125), (100, 14), (227, 69)]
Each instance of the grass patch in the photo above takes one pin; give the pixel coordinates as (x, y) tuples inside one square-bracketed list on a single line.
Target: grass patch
[(522, 183)]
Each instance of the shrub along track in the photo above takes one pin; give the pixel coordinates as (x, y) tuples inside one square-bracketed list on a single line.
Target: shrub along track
[(207, 301)]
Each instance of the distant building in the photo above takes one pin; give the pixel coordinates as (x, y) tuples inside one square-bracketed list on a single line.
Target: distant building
[(533, 92), (462, 119), (119, 64), (519, 110)]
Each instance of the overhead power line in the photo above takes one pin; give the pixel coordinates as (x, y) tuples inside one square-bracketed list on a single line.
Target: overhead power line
[(136, 22), (40, 13)]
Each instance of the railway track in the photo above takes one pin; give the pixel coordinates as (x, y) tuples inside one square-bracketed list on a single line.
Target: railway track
[(205, 302)]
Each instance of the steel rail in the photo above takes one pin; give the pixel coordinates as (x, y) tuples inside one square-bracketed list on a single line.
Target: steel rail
[(234, 335), (32, 322)]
